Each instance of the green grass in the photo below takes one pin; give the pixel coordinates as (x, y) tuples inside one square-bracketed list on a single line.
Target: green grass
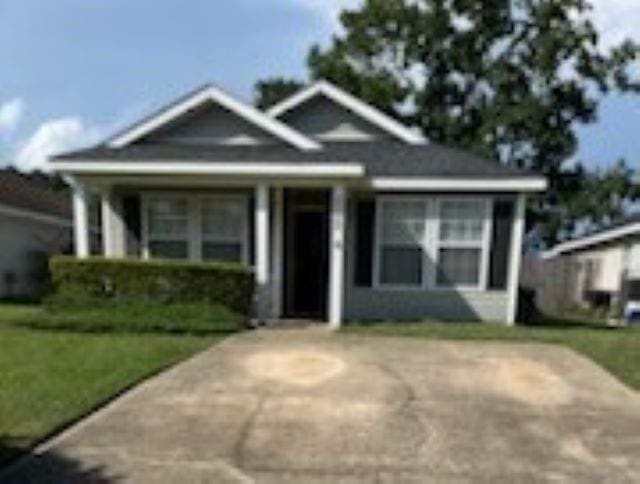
[(49, 379), (617, 350), (130, 316), (134, 315)]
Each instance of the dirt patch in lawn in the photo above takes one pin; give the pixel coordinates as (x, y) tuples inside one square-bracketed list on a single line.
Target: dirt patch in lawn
[(300, 367)]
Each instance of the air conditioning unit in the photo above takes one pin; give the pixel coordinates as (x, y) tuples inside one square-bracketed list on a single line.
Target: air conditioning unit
[(632, 312)]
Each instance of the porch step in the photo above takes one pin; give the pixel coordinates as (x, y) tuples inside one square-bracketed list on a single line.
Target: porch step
[(292, 324)]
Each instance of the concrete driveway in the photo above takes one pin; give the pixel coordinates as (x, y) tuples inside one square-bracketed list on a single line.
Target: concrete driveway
[(308, 406)]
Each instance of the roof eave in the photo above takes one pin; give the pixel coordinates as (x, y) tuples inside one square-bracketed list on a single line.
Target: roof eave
[(523, 184), (592, 240), (323, 169), (248, 169)]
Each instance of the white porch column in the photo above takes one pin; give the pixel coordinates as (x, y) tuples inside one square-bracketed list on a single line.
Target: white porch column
[(516, 259), (277, 253), (119, 231), (262, 250), (336, 256), (106, 207), (80, 220), (112, 224)]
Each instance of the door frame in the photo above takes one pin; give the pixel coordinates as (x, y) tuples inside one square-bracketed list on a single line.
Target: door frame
[(292, 208)]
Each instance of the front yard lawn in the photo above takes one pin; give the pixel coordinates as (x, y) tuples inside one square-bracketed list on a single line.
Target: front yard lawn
[(617, 350), (49, 379)]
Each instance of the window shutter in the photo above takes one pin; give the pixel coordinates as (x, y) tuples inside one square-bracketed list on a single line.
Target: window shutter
[(131, 209), (503, 213), (363, 237)]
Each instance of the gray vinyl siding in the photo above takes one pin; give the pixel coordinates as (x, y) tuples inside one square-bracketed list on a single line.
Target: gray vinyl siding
[(369, 303), (209, 126), (324, 119)]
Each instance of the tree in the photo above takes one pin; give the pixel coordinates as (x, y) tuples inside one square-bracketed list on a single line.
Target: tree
[(506, 78), (589, 200), (270, 92)]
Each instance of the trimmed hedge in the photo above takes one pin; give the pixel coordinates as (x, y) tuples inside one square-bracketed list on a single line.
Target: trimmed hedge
[(160, 281)]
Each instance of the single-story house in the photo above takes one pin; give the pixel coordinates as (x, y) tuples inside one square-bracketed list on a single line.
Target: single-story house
[(345, 213), (599, 269), (35, 222)]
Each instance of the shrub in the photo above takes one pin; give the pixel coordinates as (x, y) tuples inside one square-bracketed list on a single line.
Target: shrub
[(165, 282)]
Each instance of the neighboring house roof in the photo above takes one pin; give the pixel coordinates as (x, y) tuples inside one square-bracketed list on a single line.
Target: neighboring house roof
[(27, 196), (353, 104), (621, 229), (200, 97)]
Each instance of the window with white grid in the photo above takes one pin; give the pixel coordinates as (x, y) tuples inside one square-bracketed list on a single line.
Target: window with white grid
[(197, 226), (223, 228), (461, 242), (168, 227), (401, 241)]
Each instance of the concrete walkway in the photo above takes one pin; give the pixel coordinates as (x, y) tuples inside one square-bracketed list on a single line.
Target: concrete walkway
[(308, 406)]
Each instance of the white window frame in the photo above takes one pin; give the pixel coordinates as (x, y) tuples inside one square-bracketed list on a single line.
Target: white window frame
[(431, 244), (244, 236), (484, 244), (146, 239), (424, 245), (194, 221)]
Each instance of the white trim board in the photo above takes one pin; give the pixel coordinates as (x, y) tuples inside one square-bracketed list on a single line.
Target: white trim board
[(35, 216), (332, 170), (590, 240), (216, 95), (459, 184), (353, 104), (298, 170)]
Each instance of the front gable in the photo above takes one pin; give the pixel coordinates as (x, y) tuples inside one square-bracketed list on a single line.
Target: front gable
[(323, 119), (209, 116), (325, 112), (210, 124)]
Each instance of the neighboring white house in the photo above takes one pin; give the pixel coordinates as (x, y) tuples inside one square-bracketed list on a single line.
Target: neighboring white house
[(344, 213), (35, 222), (600, 269)]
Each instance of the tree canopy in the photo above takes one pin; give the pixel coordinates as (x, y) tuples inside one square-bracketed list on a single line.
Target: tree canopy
[(507, 79), (270, 91), (591, 199)]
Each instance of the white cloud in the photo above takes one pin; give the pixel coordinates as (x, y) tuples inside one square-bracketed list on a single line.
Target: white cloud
[(53, 137), (616, 20), (10, 114)]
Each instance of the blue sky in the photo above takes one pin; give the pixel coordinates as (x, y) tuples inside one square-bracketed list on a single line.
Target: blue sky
[(73, 71)]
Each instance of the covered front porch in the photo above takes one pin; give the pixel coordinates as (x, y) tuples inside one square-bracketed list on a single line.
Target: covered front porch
[(291, 232)]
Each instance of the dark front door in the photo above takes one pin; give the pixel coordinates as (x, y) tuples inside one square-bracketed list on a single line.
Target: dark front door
[(308, 258)]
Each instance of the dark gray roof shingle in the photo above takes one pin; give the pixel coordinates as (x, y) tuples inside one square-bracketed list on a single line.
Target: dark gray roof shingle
[(388, 158), (33, 194)]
